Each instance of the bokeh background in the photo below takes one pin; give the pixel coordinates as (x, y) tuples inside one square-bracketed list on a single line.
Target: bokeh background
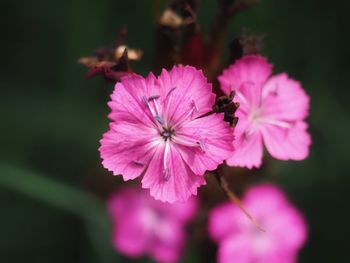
[(52, 119)]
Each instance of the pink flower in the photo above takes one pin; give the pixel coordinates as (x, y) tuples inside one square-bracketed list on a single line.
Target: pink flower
[(272, 112), (240, 241), (158, 131), (144, 226)]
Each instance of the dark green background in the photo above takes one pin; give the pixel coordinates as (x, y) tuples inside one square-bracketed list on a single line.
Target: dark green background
[(52, 119)]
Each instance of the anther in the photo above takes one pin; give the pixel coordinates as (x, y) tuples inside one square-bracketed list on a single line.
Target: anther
[(139, 163), (194, 106), (169, 92), (202, 146), (153, 97), (166, 174), (159, 119), (166, 133), (144, 100)]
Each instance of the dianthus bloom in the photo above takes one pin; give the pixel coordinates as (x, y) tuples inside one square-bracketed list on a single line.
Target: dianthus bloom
[(240, 241), (144, 226), (159, 131), (272, 111)]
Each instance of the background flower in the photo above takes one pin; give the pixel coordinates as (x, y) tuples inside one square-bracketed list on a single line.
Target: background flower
[(241, 241), (144, 226)]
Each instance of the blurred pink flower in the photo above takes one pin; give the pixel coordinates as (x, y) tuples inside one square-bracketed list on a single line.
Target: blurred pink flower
[(272, 110), (241, 242), (158, 131), (144, 226)]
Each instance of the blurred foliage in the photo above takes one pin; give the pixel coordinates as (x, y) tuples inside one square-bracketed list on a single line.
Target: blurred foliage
[(52, 119)]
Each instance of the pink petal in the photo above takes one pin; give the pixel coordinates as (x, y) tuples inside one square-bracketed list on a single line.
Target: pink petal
[(284, 99), (235, 249), (284, 225), (212, 149), (221, 224), (127, 102), (251, 69), (124, 201), (277, 256), (249, 97), (287, 144), (167, 248), (185, 89), (248, 146), (240, 240), (142, 225), (127, 148), (178, 184), (265, 195), (179, 211), (287, 228), (128, 236)]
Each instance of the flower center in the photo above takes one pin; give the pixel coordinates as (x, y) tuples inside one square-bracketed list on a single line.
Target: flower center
[(167, 133), (255, 114), (167, 130)]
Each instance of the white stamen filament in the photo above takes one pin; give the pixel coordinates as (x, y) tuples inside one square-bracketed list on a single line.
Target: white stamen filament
[(159, 121), (278, 123), (156, 105), (188, 115), (169, 92), (166, 104), (188, 142), (241, 98), (145, 100), (165, 158)]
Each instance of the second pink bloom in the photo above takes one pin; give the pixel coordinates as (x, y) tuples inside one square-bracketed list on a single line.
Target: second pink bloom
[(272, 112)]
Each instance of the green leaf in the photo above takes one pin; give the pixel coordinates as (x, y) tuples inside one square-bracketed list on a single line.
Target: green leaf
[(67, 198)]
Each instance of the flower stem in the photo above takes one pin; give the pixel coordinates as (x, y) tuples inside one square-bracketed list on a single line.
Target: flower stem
[(225, 187)]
